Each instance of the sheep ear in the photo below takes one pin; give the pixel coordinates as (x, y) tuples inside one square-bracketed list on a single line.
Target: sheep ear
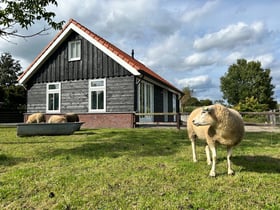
[(208, 109), (205, 109)]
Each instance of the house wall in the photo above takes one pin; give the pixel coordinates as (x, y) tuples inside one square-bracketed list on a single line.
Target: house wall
[(74, 96)]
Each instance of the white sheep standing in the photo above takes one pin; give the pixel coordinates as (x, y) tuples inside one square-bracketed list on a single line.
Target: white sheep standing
[(215, 123), (36, 118), (57, 119)]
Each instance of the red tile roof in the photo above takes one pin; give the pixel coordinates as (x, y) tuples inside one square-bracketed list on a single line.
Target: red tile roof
[(121, 54)]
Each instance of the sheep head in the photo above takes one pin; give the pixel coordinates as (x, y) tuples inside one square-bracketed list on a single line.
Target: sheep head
[(205, 117)]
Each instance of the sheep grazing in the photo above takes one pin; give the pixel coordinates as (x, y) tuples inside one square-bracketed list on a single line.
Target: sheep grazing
[(36, 118), (215, 124), (72, 117), (57, 119)]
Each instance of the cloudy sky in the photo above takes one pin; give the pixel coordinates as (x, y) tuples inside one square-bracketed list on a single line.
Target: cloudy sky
[(188, 42)]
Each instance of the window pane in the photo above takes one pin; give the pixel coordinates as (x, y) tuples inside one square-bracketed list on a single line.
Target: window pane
[(100, 99), (98, 83), (78, 49), (53, 86), (97, 100), (93, 100), (56, 101), (51, 99), (72, 50)]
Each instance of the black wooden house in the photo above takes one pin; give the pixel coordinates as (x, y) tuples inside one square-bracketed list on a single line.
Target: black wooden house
[(81, 72)]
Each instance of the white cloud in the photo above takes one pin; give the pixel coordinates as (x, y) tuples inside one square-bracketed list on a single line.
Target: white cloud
[(266, 60), (232, 58), (198, 60), (166, 53), (192, 14), (194, 82), (231, 36)]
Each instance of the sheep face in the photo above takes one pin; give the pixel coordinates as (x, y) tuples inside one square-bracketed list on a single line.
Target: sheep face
[(205, 117)]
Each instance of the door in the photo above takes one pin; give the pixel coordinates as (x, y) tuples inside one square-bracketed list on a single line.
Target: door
[(146, 101)]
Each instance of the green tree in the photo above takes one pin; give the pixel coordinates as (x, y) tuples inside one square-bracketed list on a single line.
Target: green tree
[(25, 13), (9, 70), (186, 97), (205, 102), (245, 80), (12, 96), (250, 105)]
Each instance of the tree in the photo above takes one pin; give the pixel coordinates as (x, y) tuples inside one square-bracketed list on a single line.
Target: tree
[(245, 80), (23, 14), (12, 96), (9, 70), (186, 97)]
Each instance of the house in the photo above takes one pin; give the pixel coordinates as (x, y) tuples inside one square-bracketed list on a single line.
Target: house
[(81, 72)]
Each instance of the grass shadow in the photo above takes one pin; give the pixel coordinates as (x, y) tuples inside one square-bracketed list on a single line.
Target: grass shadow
[(260, 164), (9, 161), (129, 142)]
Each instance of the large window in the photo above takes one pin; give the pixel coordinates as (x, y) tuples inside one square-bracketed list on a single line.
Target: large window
[(97, 95), (53, 97), (74, 50), (146, 101)]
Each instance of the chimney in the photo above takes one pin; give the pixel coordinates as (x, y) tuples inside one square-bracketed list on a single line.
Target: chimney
[(132, 53)]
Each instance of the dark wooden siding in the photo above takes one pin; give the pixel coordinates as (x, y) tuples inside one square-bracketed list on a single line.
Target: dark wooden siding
[(170, 106), (36, 98), (74, 96), (158, 103), (93, 64), (120, 94)]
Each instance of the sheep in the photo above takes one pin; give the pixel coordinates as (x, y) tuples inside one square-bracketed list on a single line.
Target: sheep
[(215, 123), (57, 119), (71, 117), (36, 118)]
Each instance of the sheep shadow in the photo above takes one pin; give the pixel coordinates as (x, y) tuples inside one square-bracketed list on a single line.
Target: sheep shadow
[(259, 164)]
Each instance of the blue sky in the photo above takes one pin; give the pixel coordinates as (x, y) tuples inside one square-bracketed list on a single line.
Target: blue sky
[(188, 42)]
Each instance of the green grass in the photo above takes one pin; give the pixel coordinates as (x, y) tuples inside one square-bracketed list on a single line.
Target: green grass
[(134, 169)]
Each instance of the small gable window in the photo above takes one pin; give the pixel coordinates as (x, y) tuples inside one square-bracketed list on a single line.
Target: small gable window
[(74, 50), (53, 98)]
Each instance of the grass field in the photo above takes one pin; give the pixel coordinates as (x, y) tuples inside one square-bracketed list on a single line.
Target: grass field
[(135, 169)]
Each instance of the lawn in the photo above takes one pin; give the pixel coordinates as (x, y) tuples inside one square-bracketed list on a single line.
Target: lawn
[(135, 169)]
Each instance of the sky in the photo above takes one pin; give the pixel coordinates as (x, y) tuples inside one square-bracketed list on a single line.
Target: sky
[(190, 43)]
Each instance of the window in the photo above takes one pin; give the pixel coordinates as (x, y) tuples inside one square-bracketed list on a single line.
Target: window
[(74, 50), (146, 101), (53, 97), (97, 95)]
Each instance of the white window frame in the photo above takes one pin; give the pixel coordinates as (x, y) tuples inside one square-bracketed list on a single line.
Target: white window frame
[(74, 50), (53, 91), (97, 88), (146, 93)]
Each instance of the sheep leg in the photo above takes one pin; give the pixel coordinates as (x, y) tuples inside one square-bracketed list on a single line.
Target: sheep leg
[(214, 157), (229, 152), (207, 151), (194, 150)]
